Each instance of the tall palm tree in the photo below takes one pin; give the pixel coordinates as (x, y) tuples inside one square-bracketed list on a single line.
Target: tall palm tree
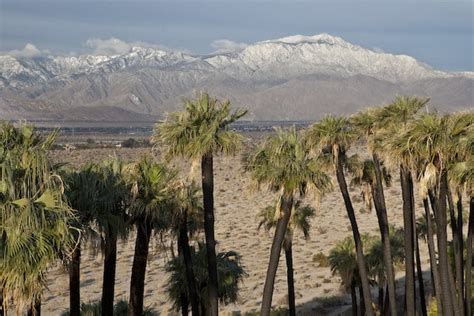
[(111, 219), (186, 220), (374, 251), (34, 216), (152, 195), (335, 135), (283, 164), (81, 192), (300, 220), (367, 124), (200, 132), (439, 140), (366, 174), (462, 177), (394, 117)]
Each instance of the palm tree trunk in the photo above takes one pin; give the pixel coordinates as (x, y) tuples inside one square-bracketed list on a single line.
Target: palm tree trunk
[(362, 301), (381, 298), (184, 304), (441, 223), (183, 245), (75, 283), (406, 182), (381, 210), (290, 277), (458, 255), (108, 287), (207, 170), (460, 224), (419, 274), (432, 252), (137, 280), (354, 299), (280, 232), (35, 308), (469, 246), (355, 231)]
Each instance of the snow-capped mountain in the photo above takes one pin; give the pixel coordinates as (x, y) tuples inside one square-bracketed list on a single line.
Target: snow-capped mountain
[(288, 78)]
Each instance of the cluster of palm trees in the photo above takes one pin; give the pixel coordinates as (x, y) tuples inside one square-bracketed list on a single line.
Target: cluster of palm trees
[(430, 150), (49, 212)]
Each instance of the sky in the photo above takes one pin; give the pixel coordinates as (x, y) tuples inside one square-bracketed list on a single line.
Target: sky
[(439, 33)]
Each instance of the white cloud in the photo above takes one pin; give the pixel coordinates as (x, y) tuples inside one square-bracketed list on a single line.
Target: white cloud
[(116, 46), (29, 51), (226, 46), (111, 46)]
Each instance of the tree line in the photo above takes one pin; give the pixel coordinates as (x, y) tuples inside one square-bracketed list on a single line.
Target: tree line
[(50, 212)]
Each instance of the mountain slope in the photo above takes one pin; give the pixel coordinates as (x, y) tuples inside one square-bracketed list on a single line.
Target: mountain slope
[(296, 77)]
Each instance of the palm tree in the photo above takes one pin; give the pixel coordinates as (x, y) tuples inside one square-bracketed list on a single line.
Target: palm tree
[(367, 124), (394, 117), (152, 196), (343, 261), (300, 220), (335, 135), (229, 268), (282, 163), (111, 218), (438, 140), (374, 251), (81, 192), (186, 220), (34, 216), (462, 178), (199, 132)]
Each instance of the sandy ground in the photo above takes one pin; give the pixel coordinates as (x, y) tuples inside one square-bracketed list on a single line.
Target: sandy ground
[(236, 229)]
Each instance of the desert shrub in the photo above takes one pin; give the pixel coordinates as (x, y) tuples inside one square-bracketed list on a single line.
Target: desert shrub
[(321, 259), (120, 309)]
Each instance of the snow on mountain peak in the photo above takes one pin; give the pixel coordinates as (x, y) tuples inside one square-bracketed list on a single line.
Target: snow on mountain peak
[(322, 38)]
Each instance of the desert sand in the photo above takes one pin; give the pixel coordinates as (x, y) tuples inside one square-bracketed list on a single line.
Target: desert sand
[(318, 291)]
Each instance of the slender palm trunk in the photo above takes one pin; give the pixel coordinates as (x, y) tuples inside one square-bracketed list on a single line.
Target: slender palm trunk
[(419, 274), (441, 223), (432, 252), (183, 245), (469, 246), (137, 280), (362, 302), (183, 300), (406, 182), (35, 308), (458, 255), (355, 231), (354, 299), (381, 210), (461, 244), (74, 283), (108, 287), (207, 170), (280, 232), (381, 297), (290, 276)]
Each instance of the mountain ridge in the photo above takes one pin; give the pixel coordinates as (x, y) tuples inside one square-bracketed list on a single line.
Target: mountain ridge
[(150, 81)]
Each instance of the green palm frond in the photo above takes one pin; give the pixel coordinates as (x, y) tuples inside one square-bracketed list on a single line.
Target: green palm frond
[(35, 219), (282, 163), (230, 274), (202, 128)]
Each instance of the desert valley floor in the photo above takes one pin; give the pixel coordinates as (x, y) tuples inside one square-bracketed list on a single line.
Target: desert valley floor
[(236, 206)]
